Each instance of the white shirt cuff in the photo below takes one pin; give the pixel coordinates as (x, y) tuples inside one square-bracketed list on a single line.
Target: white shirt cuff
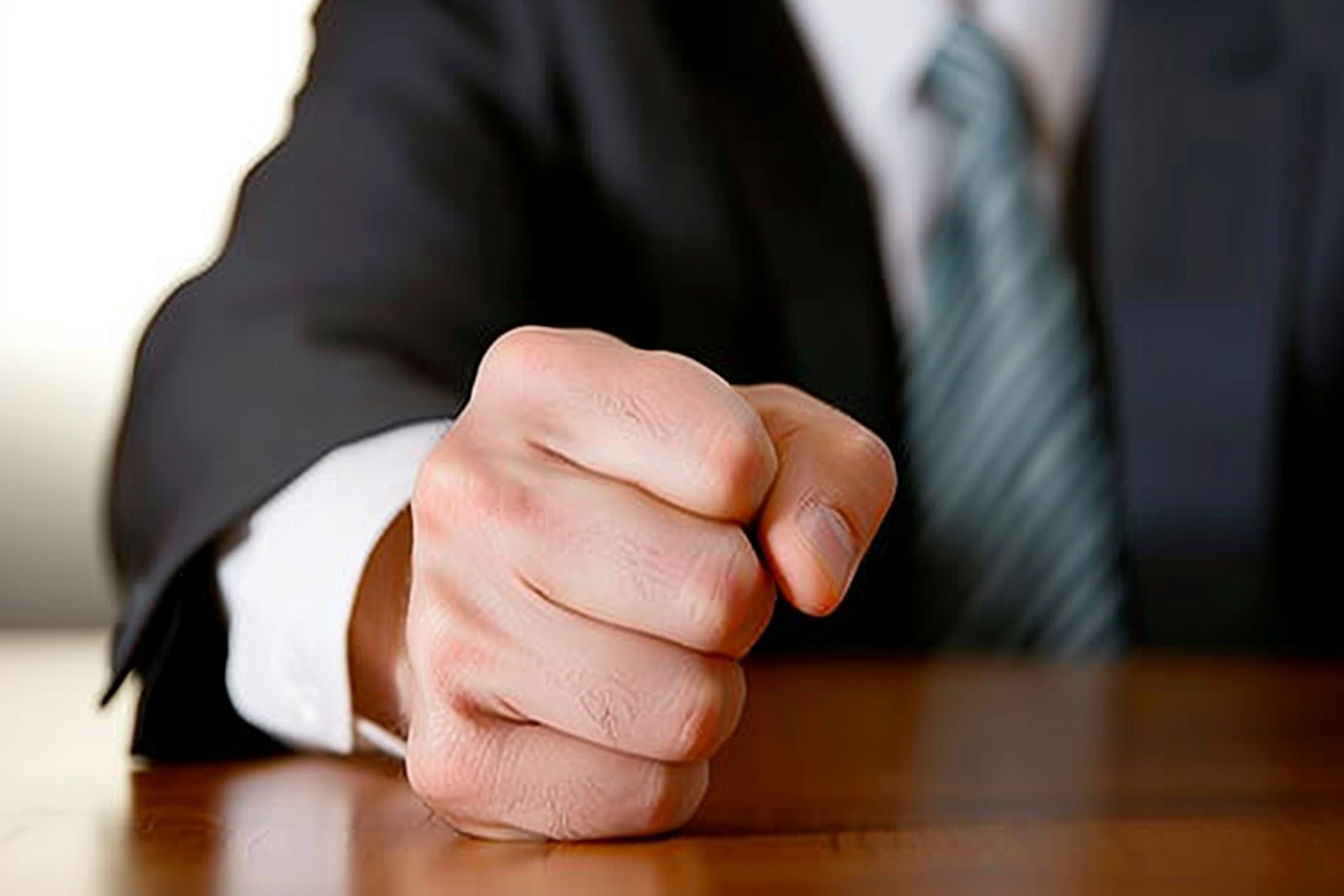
[(289, 579)]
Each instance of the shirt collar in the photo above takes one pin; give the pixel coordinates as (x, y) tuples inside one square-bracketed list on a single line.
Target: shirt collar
[(873, 53)]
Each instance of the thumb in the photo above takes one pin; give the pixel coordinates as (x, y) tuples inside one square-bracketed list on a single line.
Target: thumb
[(835, 483)]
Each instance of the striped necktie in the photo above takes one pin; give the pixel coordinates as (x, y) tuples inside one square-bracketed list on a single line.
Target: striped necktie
[(1017, 537)]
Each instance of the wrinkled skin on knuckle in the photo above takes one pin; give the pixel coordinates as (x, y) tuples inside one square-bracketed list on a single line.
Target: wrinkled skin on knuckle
[(612, 708), (649, 567), (568, 816), (658, 799), (636, 411), (559, 809)]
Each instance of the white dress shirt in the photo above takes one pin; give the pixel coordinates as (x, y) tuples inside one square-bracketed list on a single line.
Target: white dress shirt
[(289, 575)]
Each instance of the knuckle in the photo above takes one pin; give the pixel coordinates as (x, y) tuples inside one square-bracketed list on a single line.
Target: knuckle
[(464, 492), (441, 479), (451, 642), (456, 654), (671, 367), (665, 799), (508, 503), (729, 598), (738, 463), (705, 710), (425, 501), (519, 354)]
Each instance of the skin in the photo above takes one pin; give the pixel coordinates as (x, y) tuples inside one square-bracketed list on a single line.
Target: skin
[(556, 623)]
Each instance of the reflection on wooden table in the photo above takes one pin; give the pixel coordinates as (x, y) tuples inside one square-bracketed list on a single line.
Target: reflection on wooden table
[(847, 776)]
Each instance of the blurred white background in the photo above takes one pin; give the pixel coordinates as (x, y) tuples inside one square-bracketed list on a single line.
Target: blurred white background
[(124, 129)]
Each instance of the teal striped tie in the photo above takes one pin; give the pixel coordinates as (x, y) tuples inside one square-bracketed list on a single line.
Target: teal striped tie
[(1017, 537)]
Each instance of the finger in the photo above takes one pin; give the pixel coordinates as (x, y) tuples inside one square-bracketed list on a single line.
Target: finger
[(836, 482), (611, 552), (502, 780), (656, 420), (601, 548), (510, 651)]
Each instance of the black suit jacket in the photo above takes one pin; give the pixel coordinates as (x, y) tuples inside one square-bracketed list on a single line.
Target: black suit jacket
[(667, 170)]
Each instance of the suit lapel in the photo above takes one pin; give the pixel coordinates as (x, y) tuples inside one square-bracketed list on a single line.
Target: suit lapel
[(1192, 166), (803, 200)]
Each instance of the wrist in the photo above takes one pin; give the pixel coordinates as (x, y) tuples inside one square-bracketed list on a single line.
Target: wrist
[(379, 674)]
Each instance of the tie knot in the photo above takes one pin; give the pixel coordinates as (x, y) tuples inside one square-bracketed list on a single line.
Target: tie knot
[(972, 82)]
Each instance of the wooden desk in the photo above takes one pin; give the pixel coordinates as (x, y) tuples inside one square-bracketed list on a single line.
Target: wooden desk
[(1157, 777)]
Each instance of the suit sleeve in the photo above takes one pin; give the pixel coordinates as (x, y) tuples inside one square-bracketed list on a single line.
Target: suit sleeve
[(373, 257)]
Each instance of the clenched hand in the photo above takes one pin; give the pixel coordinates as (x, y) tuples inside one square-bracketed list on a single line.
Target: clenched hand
[(583, 580)]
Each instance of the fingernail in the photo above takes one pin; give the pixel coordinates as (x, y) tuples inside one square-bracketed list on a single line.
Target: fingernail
[(833, 542)]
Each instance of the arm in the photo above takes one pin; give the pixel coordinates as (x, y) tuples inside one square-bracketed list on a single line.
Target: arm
[(373, 256)]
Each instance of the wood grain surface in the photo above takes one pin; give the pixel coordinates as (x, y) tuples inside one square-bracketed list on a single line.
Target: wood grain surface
[(1157, 776)]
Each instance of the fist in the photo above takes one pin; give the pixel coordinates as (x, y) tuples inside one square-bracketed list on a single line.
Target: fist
[(584, 580)]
